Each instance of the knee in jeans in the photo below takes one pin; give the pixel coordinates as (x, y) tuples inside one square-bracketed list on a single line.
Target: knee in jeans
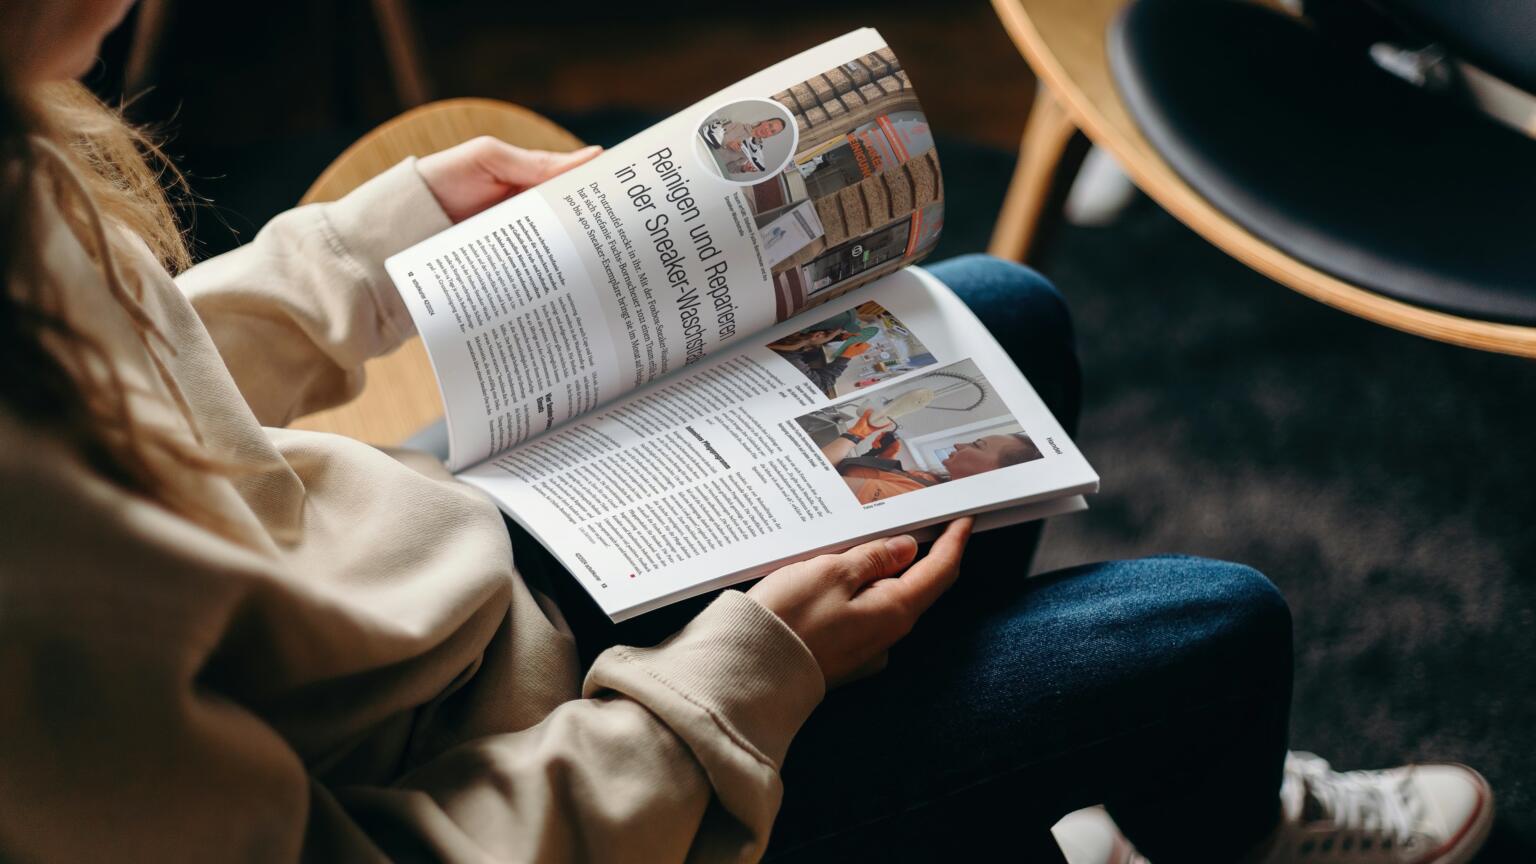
[(1013, 295), (1239, 596)]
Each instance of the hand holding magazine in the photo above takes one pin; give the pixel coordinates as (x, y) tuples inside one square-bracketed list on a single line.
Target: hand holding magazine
[(703, 354)]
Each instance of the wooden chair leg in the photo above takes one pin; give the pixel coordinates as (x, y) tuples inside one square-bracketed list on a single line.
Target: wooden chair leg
[(401, 46), (1047, 161), (144, 50)]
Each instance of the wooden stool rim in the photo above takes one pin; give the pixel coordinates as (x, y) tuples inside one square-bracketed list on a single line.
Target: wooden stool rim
[(401, 395), (418, 113)]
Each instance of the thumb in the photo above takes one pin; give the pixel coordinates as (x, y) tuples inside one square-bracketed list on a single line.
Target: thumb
[(515, 166), (878, 559)]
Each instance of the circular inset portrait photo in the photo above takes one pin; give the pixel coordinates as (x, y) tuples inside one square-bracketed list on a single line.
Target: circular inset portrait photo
[(748, 140)]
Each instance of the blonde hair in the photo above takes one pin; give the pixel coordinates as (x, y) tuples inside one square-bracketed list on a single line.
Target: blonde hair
[(102, 174), (124, 172)]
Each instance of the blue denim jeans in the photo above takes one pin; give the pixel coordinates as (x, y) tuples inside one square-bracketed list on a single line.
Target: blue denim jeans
[(1159, 687)]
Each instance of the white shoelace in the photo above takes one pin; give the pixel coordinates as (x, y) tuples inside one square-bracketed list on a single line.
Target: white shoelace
[(1374, 803)]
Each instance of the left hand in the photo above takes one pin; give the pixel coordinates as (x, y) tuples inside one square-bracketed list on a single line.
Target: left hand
[(470, 177), (849, 609), (865, 425)]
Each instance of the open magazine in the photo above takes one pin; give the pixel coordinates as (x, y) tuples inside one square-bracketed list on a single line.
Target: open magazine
[(703, 355)]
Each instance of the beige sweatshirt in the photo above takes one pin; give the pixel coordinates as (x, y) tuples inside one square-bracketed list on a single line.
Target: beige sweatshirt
[(364, 676)]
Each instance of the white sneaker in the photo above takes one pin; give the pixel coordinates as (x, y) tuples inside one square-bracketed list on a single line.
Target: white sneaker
[(1415, 814), (1089, 836), (1435, 813)]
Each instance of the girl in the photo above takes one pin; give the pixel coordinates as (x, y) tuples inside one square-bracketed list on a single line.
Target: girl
[(220, 639)]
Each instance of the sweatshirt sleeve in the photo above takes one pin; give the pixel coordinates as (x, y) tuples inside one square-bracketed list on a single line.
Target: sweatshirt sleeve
[(297, 311), (141, 723), (673, 754)]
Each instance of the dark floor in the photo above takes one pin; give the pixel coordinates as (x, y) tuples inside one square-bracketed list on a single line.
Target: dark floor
[(1381, 480)]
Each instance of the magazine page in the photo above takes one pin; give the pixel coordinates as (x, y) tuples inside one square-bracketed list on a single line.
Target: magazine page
[(891, 409), (774, 195)]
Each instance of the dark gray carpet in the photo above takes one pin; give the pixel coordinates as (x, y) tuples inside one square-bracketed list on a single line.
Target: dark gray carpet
[(1381, 480)]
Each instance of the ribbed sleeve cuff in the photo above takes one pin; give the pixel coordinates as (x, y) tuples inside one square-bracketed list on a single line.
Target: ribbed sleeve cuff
[(736, 663), (388, 214)]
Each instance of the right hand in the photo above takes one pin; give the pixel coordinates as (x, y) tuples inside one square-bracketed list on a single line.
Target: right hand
[(886, 446), (850, 608)]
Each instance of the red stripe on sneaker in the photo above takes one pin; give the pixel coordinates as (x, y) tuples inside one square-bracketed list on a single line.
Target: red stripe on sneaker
[(1449, 845)]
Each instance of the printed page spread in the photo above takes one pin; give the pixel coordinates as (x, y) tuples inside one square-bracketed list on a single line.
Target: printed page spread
[(770, 197), (704, 354), (890, 409)]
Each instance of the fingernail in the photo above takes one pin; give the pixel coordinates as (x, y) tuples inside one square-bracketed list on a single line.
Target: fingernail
[(590, 148), (901, 547)]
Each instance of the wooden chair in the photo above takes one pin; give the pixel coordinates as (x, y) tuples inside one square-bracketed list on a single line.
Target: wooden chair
[(1064, 43), (401, 395)]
